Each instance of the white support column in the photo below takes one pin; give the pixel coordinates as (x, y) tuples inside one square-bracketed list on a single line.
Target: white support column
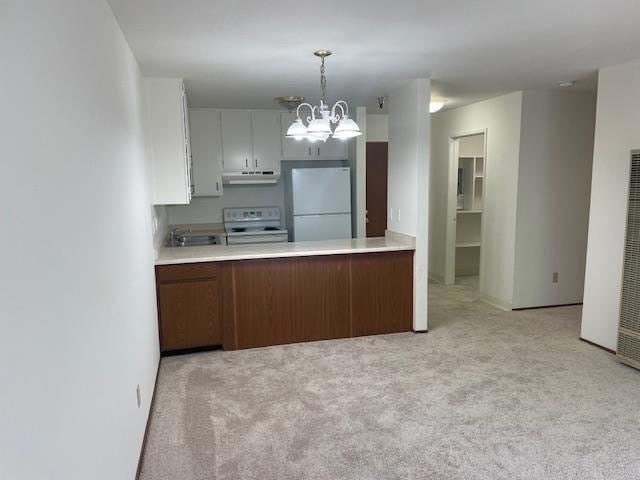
[(408, 183), (361, 173)]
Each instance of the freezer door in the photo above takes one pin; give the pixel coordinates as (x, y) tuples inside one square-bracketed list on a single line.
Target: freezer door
[(321, 227), (321, 190)]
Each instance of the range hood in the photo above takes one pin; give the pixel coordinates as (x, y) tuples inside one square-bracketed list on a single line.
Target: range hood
[(250, 178)]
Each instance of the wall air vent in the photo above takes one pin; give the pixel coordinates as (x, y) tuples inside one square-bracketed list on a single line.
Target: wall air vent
[(629, 327)]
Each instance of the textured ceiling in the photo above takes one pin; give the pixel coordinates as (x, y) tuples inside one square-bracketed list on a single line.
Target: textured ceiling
[(242, 53)]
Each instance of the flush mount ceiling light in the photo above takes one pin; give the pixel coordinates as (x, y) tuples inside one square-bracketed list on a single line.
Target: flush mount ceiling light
[(436, 104), (319, 123), (290, 102)]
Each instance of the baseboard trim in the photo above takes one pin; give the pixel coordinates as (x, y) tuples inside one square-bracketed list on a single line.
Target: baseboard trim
[(420, 331), (184, 351), (434, 277), (598, 346), (548, 306), (146, 428), (494, 302)]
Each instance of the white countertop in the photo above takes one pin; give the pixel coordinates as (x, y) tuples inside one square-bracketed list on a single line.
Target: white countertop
[(219, 253)]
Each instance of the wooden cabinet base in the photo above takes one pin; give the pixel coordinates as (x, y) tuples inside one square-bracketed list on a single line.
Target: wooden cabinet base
[(257, 303), (300, 299)]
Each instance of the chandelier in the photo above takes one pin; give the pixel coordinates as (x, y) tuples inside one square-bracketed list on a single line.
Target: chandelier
[(318, 125)]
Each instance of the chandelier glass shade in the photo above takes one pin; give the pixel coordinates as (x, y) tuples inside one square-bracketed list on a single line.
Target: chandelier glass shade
[(318, 124)]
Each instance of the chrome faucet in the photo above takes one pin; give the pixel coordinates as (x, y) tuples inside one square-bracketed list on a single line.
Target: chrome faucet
[(176, 236)]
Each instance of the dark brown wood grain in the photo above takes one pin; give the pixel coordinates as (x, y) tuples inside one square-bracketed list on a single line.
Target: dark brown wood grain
[(263, 302), (288, 300), (382, 292), (321, 300), (227, 280), (377, 165), (190, 315), (189, 306), (186, 271)]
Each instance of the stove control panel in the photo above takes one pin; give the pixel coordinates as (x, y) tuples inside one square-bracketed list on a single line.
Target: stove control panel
[(251, 214)]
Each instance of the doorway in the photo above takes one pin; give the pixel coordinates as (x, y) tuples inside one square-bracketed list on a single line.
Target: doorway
[(376, 188), (466, 208)]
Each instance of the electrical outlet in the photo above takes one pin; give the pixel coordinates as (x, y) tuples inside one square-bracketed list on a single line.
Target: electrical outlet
[(138, 397), (555, 277)]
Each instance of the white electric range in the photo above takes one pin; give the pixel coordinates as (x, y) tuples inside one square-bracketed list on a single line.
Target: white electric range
[(253, 225)]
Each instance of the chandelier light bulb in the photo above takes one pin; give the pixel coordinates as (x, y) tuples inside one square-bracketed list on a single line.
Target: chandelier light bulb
[(297, 130)]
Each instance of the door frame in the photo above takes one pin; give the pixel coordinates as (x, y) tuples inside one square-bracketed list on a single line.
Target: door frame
[(451, 218)]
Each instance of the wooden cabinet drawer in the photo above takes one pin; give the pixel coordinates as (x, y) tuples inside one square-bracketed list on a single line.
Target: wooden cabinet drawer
[(190, 271)]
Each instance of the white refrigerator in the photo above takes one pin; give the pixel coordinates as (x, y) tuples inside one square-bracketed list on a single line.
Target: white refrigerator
[(321, 203)]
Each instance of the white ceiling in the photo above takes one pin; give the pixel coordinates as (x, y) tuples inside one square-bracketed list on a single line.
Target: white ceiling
[(242, 53)]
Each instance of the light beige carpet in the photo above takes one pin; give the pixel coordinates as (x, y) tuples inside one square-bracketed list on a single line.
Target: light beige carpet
[(485, 394)]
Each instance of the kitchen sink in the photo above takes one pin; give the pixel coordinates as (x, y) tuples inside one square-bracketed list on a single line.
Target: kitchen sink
[(189, 239)]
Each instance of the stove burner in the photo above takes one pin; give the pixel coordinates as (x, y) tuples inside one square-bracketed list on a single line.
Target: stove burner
[(239, 229)]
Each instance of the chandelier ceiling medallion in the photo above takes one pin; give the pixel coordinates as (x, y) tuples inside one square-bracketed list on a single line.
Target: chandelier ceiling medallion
[(318, 125)]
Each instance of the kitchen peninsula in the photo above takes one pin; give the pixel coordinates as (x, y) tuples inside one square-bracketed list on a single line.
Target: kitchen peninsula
[(246, 296)]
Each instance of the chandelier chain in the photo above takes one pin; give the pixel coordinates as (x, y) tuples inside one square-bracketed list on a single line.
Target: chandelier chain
[(323, 82)]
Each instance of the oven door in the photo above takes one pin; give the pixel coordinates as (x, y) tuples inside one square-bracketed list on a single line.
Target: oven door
[(249, 239)]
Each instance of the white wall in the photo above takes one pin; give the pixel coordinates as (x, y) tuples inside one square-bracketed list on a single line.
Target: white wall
[(617, 132), (556, 150), (408, 180), (209, 209), (77, 296), (358, 161), (501, 117), (377, 127)]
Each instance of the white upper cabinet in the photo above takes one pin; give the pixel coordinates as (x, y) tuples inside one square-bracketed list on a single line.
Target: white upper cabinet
[(206, 147), (305, 150), (267, 143), (237, 148), (332, 149), (167, 141)]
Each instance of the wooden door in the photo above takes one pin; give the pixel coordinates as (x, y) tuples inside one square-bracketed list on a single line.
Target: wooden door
[(237, 149), (267, 143), (377, 161)]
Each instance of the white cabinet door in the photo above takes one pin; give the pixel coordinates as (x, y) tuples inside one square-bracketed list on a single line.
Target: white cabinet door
[(187, 144), (267, 143), (167, 136), (206, 148), (332, 149), (294, 149), (237, 151)]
